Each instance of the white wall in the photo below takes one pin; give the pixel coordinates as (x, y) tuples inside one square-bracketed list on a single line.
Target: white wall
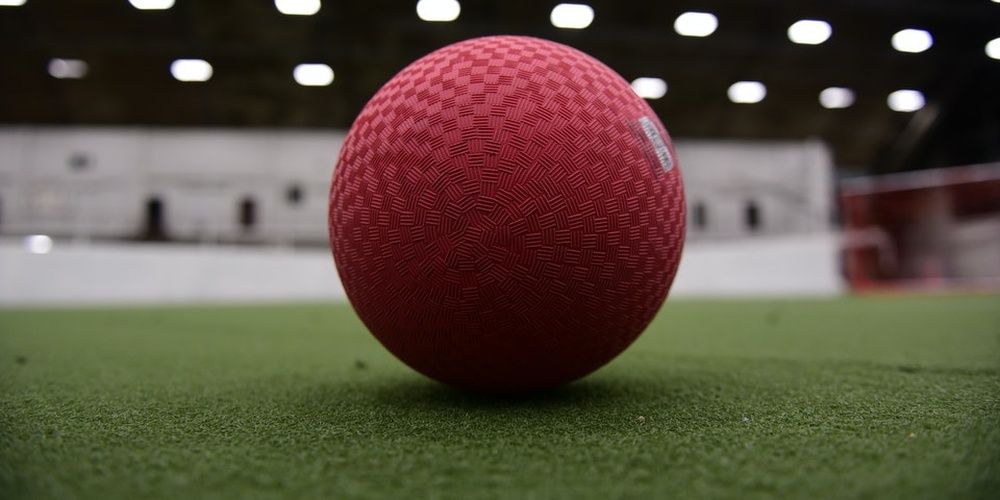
[(201, 175), (790, 182), (794, 265), (119, 273)]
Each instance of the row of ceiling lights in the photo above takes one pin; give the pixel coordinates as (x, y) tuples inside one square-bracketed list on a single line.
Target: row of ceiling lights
[(321, 75), (567, 16), (196, 70), (752, 92), (580, 16)]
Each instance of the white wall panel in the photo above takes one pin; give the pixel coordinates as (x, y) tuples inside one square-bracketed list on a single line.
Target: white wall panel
[(148, 273)]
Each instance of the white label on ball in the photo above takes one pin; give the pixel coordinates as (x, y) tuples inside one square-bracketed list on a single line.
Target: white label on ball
[(659, 146)]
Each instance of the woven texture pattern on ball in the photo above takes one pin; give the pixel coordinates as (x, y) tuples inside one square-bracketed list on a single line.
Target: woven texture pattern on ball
[(499, 218)]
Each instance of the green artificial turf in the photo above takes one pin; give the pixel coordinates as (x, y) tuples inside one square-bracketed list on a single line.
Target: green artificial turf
[(876, 398)]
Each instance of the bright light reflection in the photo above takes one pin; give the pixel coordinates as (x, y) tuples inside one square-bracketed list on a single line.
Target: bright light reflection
[(649, 88), (906, 100), (576, 16), (313, 75), (67, 68), (697, 24), (39, 244), (836, 98), (912, 41), (297, 7), (191, 70), (809, 32), (747, 92), (152, 4), (993, 47), (438, 11)]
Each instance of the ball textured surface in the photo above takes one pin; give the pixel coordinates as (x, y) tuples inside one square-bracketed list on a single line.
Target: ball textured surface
[(506, 214)]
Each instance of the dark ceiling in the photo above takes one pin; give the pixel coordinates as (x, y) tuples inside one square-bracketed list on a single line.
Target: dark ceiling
[(253, 49)]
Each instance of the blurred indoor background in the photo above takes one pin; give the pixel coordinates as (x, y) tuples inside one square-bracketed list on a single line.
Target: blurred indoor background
[(181, 150)]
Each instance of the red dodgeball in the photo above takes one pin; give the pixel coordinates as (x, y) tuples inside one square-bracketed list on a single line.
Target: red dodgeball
[(506, 214)]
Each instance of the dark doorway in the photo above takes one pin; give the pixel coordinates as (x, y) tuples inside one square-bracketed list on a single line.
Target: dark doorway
[(154, 226), (294, 195), (700, 216), (248, 214), (752, 216)]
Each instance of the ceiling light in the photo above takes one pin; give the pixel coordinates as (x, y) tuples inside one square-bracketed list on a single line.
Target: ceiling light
[(152, 4), (191, 70), (297, 7), (809, 32), (313, 75), (38, 244), (649, 88), (696, 24), (912, 40), (438, 10), (747, 92), (574, 16), (67, 68), (993, 46), (836, 98), (906, 100), (11, 3)]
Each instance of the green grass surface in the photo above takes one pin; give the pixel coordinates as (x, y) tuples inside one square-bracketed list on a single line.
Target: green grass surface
[(876, 398)]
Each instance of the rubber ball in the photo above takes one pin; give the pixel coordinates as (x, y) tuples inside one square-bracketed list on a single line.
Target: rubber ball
[(506, 214)]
